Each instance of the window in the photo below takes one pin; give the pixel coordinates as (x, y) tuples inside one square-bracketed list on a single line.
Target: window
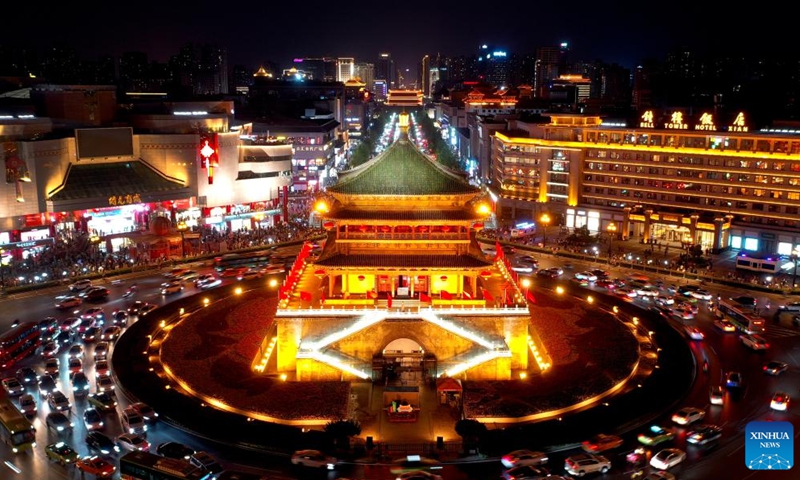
[(779, 166), (777, 180), (713, 162), (776, 194)]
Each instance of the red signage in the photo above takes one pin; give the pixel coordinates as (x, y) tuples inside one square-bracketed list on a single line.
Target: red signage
[(209, 154)]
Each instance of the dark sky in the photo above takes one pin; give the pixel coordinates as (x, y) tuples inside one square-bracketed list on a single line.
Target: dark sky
[(255, 31)]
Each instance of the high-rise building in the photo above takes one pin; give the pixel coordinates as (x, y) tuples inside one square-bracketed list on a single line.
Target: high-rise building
[(322, 69), (345, 68), (385, 70), (133, 72), (365, 72), (493, 65), (550, 63), (425, 76)]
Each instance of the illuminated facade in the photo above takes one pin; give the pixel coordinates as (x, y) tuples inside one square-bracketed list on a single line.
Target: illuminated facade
[(404, 98), (675, 178), (402, 247)]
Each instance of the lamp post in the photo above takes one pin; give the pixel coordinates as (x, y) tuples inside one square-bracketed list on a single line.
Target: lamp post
[(795, 256), (612, 233), (2, 269), (545, 219), (182, 227)]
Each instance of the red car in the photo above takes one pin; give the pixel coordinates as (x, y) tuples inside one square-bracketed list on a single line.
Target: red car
[(96, 466)]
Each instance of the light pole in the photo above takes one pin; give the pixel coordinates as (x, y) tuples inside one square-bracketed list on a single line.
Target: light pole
[(795, 257), (182, 227), (612, 233), (545, 219)]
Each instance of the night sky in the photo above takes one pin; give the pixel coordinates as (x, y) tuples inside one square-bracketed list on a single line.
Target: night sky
[(254, 32)]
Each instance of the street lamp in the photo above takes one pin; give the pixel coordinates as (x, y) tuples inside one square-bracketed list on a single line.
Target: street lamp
[(612, 234), (795, 256), (182, 227), (545, 219)]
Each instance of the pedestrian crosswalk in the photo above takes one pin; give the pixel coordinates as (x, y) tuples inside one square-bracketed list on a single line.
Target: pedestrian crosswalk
[(779, 331)]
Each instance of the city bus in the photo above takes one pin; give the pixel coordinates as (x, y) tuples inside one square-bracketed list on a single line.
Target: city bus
[(762, 263), (138, 465), (18, 343), (745, 321), (236, 260), (15, 430)]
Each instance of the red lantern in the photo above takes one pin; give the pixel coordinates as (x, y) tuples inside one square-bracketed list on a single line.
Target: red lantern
[(443, 278), (328, 225), (423, 228), (385, 229), (320, 273), (362, 228), (477, 226), (446, 228), (361, 278), (486, 274)]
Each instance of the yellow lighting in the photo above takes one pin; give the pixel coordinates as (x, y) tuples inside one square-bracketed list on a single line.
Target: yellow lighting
[(206, 302), (590, 299), (283, 377), (238, 290), (545, 219), (635, 320), (559, 290), (526, 282), (484, 209), (321, 207), (615, 309), (273, 283), (163, 324), (523, 375)]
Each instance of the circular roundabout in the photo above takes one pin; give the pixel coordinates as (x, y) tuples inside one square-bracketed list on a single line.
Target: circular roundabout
[(611, 367)]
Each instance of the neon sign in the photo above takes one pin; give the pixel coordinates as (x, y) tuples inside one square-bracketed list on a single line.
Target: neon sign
[(208, 152), (676, 122), (739, 124), (706, 123), (647, 120)]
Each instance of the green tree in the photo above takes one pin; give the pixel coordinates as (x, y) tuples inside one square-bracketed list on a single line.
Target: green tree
[(342, 430), (446, 157), (471, 431), (361, 154)]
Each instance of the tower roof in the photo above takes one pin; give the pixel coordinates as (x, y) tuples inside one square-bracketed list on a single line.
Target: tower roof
[(402, 170)]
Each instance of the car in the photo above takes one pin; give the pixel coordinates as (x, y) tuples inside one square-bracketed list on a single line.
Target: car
[(665, 300), (584, 463), (92, 419), (203, 278), (96, 466), (656, 434), (754, 342), (80, 285), (101, 351), (75, 364), (599, 273), (12, 386), (626, 292), (132, 422), (780, 401), (419, 475), (85, 324), (313, 459), (96, 313), (775, 367), (523, 457), (693, 332), (61, 452), (667, 458), (146, 309), (76, 351), (100, 442), (175, 450), (58, 401), (69, 324), (716, 395), (701, 294), (175, 272), (589, 276), (67, 301), (111, 333), (145, 410), (119, 318), (703, 434), (274, 269), (105, 384), (522, 267), (209, 284), (49, 325), (132, 441), (790, 307), (51, 366), (27, 405), (101, 368), (95, 293), (80, 383), (250, 274), (527, 259), (647, 291), (659, 475), (102, 401), (91, 334), (601, 442), (547, 273), (746, 301), (171, 289), (27, 376), (688, 415), (63, 339), (724, 325), (47, 385), (206, 462), (58, 422), (733, 380), (606, 283), (136, 306), (187, 275), (526, 472)]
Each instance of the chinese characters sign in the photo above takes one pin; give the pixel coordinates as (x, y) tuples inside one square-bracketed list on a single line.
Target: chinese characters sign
[(115, 200)]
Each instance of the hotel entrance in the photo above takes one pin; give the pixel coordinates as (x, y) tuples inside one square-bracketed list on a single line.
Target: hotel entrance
[(671, 234)]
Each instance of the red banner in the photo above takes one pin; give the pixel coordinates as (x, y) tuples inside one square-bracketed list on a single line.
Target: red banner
[(389, 301), (487, 296), (446, 295), (424, 298), (305, 296)]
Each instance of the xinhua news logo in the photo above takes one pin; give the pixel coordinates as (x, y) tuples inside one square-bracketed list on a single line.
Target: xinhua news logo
[(769, 446)]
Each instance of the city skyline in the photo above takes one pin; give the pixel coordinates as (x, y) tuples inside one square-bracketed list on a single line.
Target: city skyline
[(623, 33)]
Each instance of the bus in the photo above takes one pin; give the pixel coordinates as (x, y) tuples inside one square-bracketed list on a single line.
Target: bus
[(762, 263), (18, 343), (236, 260), (15, 429), (743, 320), (138, 465)]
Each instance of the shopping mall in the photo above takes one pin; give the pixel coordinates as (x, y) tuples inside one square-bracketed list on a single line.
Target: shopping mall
[(672, 178)]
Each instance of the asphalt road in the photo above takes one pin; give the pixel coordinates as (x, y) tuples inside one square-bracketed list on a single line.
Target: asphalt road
[(724, 459)]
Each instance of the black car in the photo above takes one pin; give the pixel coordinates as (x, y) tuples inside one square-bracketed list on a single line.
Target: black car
[(91, 334), (136, 306), (745, 301), (27, 376), (63, 338), (95, 293), (102, 443), (80, 383), (119, 318), (175, 450), (48, 325)]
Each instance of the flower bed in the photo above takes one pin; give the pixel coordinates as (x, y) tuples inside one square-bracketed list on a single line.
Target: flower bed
[(212, 351), (591, 352)]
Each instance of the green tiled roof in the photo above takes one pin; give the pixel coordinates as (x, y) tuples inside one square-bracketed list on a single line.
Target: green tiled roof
[(402, 170), (102, 180)]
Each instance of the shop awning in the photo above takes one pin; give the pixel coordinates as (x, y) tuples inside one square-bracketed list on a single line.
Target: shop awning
[(98, 185), (448, 384)]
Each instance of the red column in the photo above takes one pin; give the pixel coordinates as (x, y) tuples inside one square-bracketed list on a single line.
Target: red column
[(285, 203)]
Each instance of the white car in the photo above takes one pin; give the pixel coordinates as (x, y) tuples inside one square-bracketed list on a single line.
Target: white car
[(314, 459), (754, 342), (522, 267), (716, 395), (780, 401), (132, 442), (132, 422), (67, 301), (80, 285), (724, 325), (667, 458), (171, 288), (588, 276), (701, 294), (27, 405), (694, 333), (519, 458), (688, 415), (12, 386)]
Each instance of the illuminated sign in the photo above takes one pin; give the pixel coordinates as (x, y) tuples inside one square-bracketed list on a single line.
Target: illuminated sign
[(115, 200), (647, 120), (676, 122), (208, 152), (706, 122), (739, 124), (499, 53)]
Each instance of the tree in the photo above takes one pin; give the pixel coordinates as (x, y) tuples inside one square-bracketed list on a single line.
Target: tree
[(471, 431), (342, 430), (360, 155)]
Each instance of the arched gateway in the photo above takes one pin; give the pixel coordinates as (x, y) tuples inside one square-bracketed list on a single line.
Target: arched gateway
[(401, 269)]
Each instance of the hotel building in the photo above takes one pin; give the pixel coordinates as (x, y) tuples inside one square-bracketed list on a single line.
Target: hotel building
[(672, 177)]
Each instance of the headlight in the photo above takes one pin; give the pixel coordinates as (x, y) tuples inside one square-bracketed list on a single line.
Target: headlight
[(116, 449), (59, 428)]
